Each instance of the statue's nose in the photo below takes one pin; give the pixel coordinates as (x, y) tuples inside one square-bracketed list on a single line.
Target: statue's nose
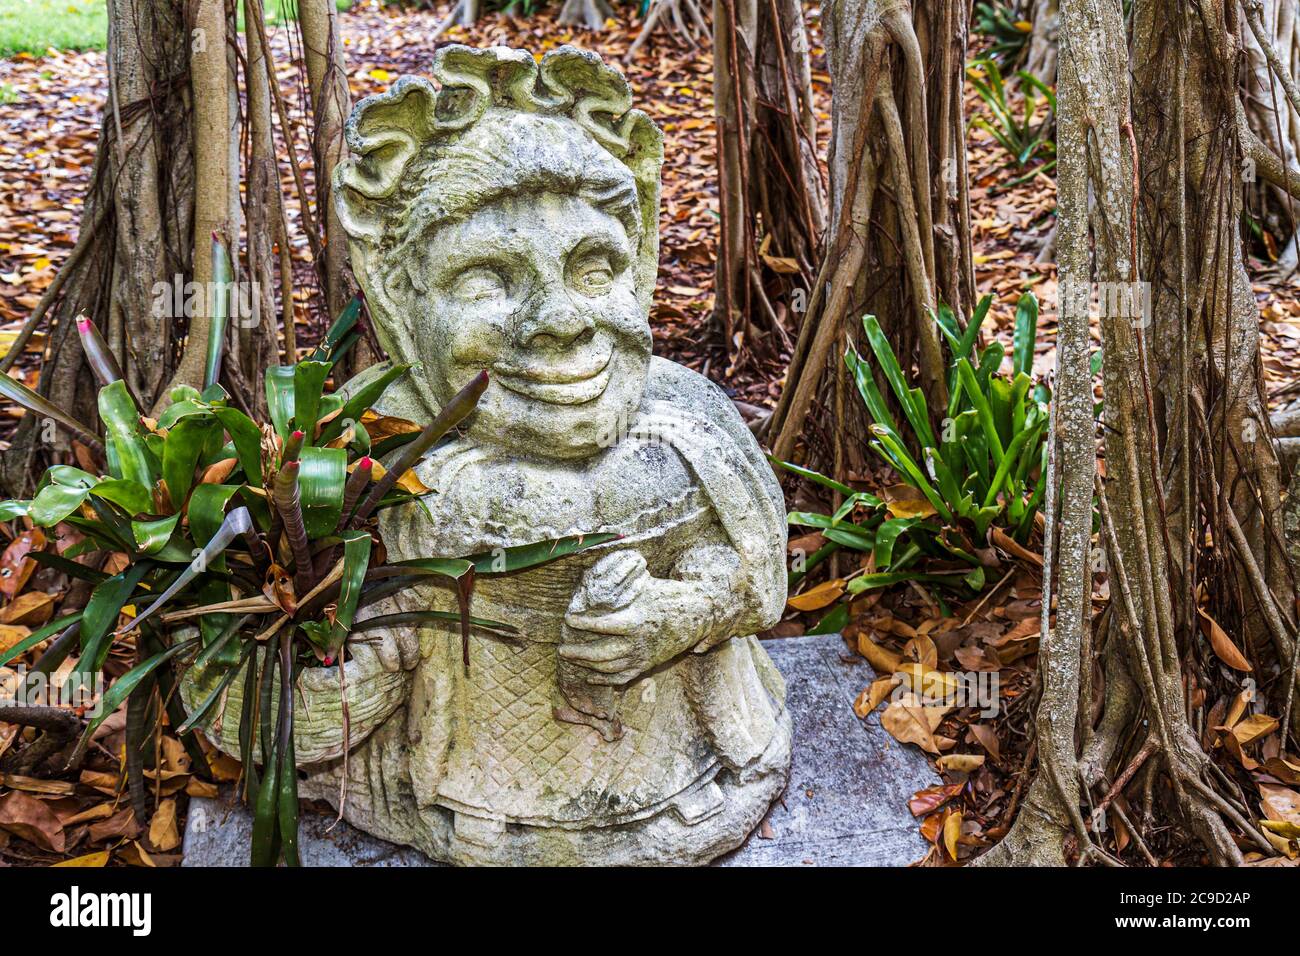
[(557, 323)]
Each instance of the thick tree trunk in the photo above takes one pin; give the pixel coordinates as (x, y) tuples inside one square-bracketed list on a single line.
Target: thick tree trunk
[(1180, 377), (142, 266), (588, 14), (134, 236), (1215, 427), (210, 83), (898, 231), (265, 216), (1094, 107), (463, 14), (1040, 58)]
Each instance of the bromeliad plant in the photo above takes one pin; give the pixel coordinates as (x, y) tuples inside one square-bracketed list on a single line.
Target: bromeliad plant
[(261, 533), (1007, 30), (1024, 136), (983, 466)]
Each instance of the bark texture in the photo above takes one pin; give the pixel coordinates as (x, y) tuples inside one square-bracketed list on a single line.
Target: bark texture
[(771, 194), (897, 237), (685, 17), (330, 102), (1183, 469), (135, 233), (142, 266)]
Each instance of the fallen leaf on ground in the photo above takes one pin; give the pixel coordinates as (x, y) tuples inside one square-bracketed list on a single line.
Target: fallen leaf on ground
[(932, 798), (1012, 546), (952, 832), (1280, 804), (815, 599), (1221, 644), (961, 763), (195, 787), (987, 738), (31, 609), (98, 812), (224, 768), (90, 859), (873, 694), (912, 723), (408, 482), (1284, 770), (101, 781), (162, 828), (1253, 728), (15, 566), (882, 660), (932, 686), (33, 785), (120, 824), (133, 854), (11, 634), (1283, 837), (31, 819)]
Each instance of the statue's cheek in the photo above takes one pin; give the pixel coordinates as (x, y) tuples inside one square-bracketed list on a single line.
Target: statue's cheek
[(622, 313), (474, 334)]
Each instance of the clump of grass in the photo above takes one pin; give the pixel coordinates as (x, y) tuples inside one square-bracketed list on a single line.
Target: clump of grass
[(34, 26)]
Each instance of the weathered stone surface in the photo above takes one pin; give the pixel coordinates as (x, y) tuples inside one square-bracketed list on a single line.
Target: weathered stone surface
[(509, 222), (846, 803)]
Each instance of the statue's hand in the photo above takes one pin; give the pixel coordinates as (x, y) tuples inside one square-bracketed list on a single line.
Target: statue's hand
[(627, 621)]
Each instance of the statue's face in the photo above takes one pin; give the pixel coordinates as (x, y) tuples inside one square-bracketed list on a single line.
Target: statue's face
[(537, 289)]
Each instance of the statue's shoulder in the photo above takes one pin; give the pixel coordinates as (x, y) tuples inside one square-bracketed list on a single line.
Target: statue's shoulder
[(691, 396), (678, 385)]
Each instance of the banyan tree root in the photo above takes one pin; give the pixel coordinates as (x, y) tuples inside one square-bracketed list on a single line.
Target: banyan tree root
[(58, 730), (463, 14), (1040, 60), (886, 219), (588, 14), (686, 17), (1268, 94)]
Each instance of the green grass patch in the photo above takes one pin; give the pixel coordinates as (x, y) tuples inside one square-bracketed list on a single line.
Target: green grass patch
[(33, 26)]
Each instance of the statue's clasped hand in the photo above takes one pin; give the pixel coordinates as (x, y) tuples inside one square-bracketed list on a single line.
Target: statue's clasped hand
[(622, 621)]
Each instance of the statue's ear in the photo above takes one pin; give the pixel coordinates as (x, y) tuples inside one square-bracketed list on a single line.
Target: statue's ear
[(645, 157), (383, 133)]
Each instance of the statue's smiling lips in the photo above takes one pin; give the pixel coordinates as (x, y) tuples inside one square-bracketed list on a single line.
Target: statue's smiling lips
[(567, 385)]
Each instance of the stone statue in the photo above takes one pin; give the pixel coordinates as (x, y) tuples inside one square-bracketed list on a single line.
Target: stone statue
[(509, 221)]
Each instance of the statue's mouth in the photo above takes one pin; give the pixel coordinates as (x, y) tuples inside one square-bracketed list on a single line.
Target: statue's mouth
[(557, 386)]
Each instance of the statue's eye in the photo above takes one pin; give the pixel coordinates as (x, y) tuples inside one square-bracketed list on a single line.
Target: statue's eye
[(594, 276), (478, 282)]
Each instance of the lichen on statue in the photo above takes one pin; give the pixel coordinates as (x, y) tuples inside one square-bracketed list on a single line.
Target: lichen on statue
[(508, 221)]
